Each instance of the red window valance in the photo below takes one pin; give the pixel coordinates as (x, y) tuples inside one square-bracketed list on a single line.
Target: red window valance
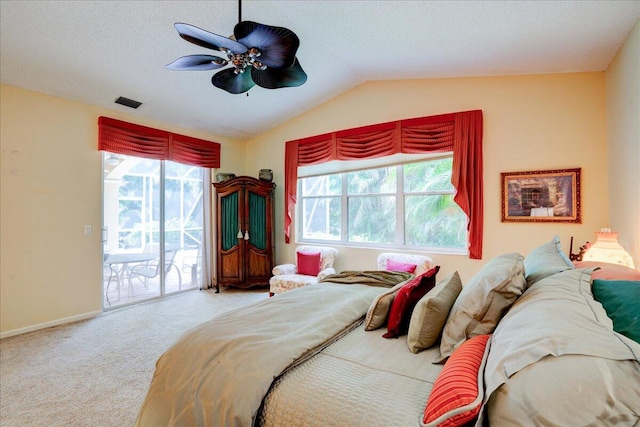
[(458, 132), (121, 137)]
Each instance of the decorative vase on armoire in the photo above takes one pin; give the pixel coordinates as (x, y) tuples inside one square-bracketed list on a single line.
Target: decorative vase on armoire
[(245, 234)]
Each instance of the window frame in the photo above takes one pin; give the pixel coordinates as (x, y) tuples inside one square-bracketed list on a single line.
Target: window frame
[(343, 168)]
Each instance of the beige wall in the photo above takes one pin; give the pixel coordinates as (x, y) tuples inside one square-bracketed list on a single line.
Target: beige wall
[(50, 188), (530, 122), (623, 120), (50, 185)]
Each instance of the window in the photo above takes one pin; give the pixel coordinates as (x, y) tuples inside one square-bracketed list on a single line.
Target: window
[(404, 205)]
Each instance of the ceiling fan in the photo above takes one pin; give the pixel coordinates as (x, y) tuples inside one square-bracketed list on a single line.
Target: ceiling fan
[(257, 53)]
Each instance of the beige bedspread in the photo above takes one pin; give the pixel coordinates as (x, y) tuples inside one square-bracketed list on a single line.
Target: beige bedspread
[(218, 373), (361, 380)]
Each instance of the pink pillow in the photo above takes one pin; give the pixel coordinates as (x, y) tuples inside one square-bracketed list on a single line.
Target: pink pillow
[(609, 271), (308, 263), (393, 265), (406, 300), (458, 391)]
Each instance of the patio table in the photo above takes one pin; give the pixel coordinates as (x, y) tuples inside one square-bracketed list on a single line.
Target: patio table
[(124, 259)]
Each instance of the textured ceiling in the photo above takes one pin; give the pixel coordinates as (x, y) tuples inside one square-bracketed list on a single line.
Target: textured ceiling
[(95, 51)]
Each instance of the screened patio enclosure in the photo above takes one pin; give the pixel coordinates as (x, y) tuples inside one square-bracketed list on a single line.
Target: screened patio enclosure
[(152, 228)]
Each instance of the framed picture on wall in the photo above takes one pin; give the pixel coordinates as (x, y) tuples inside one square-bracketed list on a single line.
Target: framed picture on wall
[(541, 196)]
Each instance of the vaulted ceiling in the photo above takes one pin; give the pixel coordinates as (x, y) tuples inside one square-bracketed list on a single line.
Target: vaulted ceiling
[(96, 51)]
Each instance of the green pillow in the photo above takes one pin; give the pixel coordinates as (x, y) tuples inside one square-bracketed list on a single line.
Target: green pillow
[(621, 301)]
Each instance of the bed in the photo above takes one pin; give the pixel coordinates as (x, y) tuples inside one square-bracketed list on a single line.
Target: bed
[(524, 342)]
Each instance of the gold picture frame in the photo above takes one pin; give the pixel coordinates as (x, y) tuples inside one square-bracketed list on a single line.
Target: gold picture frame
[(541, 196)]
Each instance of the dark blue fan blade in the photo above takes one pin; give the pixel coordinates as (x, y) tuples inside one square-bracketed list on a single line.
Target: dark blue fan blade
[(277, 45), (206, 39), (232, 82), (197, 63), (276, 78)]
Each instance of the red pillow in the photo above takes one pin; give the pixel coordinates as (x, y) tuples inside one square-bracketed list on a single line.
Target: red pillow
[(393, 265), (458, 391), (405, 301), (308, 263)]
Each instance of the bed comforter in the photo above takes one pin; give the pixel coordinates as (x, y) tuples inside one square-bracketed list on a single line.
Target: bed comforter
[(361, 380), (555, 360), (213, 375)]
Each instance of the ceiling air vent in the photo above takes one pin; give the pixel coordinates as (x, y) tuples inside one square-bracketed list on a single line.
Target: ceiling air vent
[(128, 102)]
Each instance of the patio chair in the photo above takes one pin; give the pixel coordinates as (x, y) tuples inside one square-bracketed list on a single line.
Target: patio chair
[(110, 274), (144, 272)]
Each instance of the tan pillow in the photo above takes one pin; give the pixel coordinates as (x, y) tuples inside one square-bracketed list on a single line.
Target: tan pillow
[(379, 309), (483, 301), (431, 312)]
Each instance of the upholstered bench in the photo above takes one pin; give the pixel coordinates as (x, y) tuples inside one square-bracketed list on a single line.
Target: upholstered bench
[(411, 263), (311, 265)]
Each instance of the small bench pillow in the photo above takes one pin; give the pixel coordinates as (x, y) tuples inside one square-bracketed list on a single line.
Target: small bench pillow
[(308, 263), (393, 265)]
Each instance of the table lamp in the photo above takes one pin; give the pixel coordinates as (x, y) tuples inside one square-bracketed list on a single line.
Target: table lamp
[(607, 249)]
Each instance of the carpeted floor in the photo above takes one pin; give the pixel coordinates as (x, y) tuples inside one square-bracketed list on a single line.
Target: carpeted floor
[(96, 372)]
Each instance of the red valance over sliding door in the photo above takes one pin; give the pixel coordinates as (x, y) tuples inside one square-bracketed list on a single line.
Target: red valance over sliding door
[(458, 132), (127, 138)]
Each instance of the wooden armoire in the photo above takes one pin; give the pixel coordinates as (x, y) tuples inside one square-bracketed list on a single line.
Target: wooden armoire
[(245, 233)]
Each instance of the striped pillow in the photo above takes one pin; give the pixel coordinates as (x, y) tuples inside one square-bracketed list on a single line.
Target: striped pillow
[(457, 394)]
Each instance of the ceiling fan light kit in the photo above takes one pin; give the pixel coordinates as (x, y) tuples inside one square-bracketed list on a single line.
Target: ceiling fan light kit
[(258, 54)]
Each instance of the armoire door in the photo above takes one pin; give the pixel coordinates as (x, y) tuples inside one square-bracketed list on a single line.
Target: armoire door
[(230, 245), (258, 265)]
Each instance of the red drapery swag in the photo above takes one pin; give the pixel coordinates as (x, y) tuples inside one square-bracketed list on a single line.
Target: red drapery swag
[(121, 137), (458, 132)]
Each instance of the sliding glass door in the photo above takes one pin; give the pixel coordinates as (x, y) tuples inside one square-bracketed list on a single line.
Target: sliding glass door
[(152, 228), (184, 224)]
